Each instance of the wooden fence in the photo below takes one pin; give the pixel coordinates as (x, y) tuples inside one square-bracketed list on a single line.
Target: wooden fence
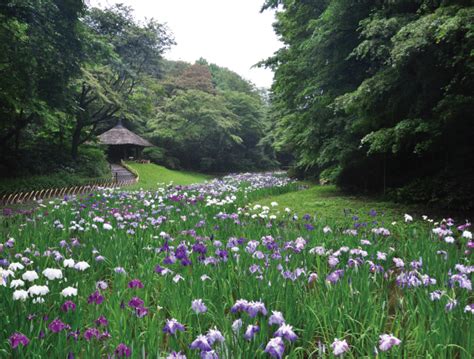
[(23, 197)]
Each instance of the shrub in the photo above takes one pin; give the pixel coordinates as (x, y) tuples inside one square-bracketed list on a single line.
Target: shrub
[(159, 156)]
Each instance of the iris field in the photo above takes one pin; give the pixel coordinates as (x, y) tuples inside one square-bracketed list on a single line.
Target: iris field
[(204, 271)]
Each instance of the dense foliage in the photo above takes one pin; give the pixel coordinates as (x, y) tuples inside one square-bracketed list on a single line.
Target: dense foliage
[(378, 96), (210, 120), (68, 73)]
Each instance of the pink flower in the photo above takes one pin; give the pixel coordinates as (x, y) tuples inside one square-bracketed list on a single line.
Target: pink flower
[(339, 347), (387, 341)]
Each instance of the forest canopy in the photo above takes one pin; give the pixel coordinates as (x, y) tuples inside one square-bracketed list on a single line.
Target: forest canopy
[(378, 95)]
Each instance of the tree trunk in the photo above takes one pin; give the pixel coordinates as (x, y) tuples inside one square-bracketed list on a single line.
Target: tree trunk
[(76, 140)]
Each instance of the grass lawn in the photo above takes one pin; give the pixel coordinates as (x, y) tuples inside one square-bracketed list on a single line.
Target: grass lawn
[(151, 175), (328, 203)]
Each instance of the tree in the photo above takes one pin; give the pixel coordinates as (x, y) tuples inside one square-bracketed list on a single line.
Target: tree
[(376, 95), (196, 77), (40, 51), (120, 54), (197, 128)]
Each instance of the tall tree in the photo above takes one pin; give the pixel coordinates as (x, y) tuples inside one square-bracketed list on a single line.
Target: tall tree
[(371, 94), (40, 51), (120, 54)]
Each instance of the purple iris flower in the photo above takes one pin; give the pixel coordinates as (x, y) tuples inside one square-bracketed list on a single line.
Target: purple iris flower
[(141, 312), (172, 326), (102, 321), (199, 248), (159, 269), (95, 298), (122, 351), (256, 307), (201, 343), (251, 331), (57, 325), (387, 341), (198, 306), (17, 339), (68, 305), (214, 335), (286, 332), (452, 303), (212, 354), (275, 348), (135, 302), (74, 335), (186, 262), (176, 355), (335, 276), (91, 333), (135, 283), (181, 252), (276, 318)]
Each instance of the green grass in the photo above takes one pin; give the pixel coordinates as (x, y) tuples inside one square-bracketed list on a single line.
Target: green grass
[(151, 175), (329, 203)]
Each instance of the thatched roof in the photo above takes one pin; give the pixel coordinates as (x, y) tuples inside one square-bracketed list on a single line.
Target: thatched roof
[(119, 135)]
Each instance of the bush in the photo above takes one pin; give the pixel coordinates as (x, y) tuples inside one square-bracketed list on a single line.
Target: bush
[(158, 156), (52, 167), (329, 175), (444, 190), (92, 162)]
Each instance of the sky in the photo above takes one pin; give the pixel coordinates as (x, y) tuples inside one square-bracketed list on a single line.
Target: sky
[(228, 33)]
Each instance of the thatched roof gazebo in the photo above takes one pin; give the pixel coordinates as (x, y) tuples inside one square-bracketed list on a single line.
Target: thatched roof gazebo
[(123, 143)]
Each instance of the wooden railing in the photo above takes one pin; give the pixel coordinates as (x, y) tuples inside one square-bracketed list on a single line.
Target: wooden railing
[(23, 197)]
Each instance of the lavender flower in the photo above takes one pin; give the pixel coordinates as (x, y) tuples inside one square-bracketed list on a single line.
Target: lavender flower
[(256, 307), (214, 335), (339, 347), (452, 303), (387, 341), (398, 262), (275, 347), (251, 331), (286, 332), (176, 355), (172, 326), (436, 295), (469, 308), (101, 285), (201, 343), (335, 276), (276, 318), (212, 354), (17, 339), (198, 306), (236, 325)]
